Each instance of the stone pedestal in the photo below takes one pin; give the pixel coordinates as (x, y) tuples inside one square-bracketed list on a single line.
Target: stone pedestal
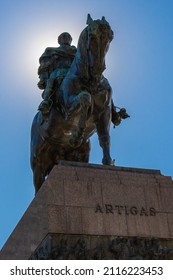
[(86, 211)]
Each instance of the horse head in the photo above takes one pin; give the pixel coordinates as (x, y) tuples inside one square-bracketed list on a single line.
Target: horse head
[(99, 36)]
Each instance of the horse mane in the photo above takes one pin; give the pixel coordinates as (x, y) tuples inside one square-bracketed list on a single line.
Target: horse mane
[(81, 58)]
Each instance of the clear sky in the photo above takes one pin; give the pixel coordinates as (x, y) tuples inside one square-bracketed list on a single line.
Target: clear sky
[(139, 68)]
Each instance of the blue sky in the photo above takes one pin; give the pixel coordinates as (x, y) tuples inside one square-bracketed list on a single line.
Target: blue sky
[(139, 68)]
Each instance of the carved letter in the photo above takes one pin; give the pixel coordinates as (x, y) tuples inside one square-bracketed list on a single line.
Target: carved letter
[(133, 210), (98, 209), (126, 210), (109, 208), (119, 208), (143, 212), (152, 211)]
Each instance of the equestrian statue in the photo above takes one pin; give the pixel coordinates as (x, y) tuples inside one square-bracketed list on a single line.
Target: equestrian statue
[(77, 101)]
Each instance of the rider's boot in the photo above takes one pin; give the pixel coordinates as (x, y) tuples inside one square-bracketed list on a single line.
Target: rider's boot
[(45, 106)]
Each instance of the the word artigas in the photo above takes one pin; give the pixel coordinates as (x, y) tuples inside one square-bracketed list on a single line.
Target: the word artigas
[(120, 209)]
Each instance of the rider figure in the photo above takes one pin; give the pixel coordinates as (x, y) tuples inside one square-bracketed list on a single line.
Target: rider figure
[(54, 65)]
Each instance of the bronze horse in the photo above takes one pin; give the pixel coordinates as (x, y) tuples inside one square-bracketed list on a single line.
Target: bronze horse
[(82, 106)]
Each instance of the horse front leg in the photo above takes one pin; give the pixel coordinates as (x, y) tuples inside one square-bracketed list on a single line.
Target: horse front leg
[(103, 126), (81, 105)]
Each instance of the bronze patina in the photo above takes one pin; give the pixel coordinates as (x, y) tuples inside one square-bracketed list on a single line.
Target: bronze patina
[(77, 101)]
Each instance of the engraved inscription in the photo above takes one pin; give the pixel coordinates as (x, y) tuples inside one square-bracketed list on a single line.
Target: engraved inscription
[(126, 210)]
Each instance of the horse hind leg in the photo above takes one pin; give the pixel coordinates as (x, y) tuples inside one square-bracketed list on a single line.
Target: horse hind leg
[(41, 170), (41, 167), (38, 178)]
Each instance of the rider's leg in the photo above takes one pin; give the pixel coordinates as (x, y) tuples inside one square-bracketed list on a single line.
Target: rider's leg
[(46, 104)]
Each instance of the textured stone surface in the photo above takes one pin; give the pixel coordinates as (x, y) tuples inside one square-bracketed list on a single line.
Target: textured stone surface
[(77, 247), (95, 200)]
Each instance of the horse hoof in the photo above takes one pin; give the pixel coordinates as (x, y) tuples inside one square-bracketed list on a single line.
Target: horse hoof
[(108, 161)]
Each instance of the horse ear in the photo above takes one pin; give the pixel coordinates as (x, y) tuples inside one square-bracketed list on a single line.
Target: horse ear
[(89, 19), (103, 19)]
